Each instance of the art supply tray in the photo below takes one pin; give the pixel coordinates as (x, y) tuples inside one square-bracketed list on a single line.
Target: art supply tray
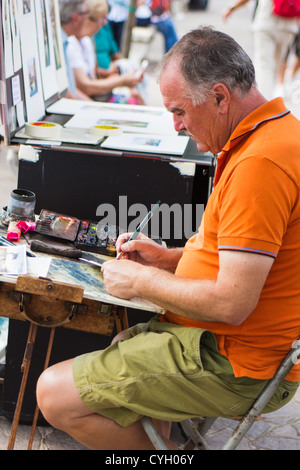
[(85, 235)]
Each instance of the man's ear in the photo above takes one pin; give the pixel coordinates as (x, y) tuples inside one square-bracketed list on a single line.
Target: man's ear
[(222, 97)]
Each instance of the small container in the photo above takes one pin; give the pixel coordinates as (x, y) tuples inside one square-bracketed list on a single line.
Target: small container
[(13, 232), (21, 203)]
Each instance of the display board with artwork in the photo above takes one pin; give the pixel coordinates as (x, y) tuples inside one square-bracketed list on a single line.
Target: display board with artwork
[(33, 71)]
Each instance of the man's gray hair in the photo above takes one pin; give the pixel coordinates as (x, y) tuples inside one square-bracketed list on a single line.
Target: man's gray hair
[(206, 57), (68, 8)]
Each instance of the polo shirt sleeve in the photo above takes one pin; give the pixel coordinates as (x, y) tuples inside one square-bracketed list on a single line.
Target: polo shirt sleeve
[(255, 206)]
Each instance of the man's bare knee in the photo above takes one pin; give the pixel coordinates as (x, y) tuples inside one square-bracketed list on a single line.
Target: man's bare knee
[(57, 395), (46, 392)]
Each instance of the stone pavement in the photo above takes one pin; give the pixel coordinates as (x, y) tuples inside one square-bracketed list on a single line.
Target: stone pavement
[(276, 431)]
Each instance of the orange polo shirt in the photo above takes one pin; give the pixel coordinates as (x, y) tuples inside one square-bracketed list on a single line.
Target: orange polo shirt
[(255, 207)]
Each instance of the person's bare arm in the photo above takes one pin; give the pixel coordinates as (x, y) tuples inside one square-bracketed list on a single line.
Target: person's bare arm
[(235, 6), (100, 86), (230, 298)]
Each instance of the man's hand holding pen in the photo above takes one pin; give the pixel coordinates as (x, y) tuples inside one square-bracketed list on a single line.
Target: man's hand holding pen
[(121, 276), (142, 259), (142, 250)]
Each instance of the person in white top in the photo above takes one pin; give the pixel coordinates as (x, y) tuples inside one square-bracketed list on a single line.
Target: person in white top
[(117, 16), (82, 58), (72, 15), (272, 37)]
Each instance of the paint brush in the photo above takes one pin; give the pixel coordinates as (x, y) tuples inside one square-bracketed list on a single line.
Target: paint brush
[(140, 227)]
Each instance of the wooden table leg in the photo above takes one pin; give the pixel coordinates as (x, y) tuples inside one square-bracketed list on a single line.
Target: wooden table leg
[(25, 370), (36, 413), (121, 319)]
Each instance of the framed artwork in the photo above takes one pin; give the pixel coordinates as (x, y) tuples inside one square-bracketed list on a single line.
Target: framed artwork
[(46, 49), (15, 35), (7, 39), (3, 100), (61, 70), (33, 72), (34, 98)]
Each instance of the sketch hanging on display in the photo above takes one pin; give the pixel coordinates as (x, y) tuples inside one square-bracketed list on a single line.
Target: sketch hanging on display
[(7, 40), (3, 124), (46, 49), (61, 70), (33, 72), (31, 64), (10, 65), (15, 35)]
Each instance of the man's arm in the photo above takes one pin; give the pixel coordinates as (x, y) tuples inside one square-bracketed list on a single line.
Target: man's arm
[(230, 298)]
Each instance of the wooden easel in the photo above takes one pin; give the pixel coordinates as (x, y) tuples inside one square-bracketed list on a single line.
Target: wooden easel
[(45, 303)]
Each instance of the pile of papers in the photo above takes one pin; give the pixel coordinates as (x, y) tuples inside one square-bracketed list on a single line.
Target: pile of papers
[(144, 128), (13, 261)]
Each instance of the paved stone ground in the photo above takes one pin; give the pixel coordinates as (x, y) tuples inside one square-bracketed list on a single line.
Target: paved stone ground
[(275, 431)]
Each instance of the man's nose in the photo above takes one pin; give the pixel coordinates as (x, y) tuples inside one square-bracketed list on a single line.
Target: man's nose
[(178, 123)]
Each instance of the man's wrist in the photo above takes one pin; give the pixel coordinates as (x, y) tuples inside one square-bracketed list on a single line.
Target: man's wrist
[(171, 259)]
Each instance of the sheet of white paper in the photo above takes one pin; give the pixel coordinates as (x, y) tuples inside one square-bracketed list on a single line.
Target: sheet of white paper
[(175, 145), (71, 136), (130, 118), (16, 90), (65, 106), (20, 113), (38, 266), (13, 260), (70, 106), (46, 143), (137, 121)]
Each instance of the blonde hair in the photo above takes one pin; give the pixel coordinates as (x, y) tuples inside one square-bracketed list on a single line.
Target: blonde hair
[(98, 8)]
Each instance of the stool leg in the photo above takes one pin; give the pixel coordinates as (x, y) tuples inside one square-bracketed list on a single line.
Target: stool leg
[(153, 434), (191, 430)]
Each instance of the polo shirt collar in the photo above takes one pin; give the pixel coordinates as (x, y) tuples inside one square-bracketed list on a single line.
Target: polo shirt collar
[(273, 109)]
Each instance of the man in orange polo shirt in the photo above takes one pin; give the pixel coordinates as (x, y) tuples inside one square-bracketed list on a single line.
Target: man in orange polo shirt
[(232, 295)]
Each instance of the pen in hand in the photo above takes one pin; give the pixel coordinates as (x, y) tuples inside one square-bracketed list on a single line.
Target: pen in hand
[(140, 227)]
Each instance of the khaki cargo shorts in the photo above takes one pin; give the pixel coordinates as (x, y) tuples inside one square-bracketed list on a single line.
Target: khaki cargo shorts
[(167, 372)]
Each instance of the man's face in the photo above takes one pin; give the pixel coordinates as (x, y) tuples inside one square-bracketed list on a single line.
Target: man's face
[(92, 25), (203, 122), (80, 18)]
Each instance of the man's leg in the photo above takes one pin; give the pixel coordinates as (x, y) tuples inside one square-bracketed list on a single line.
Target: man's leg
[(62, 407)]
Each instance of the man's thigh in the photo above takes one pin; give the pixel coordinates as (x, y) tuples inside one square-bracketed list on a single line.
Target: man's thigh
[(157, 374)]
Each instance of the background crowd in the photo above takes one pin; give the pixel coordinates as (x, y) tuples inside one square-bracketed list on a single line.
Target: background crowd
[(98, 70), (93, 31)]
